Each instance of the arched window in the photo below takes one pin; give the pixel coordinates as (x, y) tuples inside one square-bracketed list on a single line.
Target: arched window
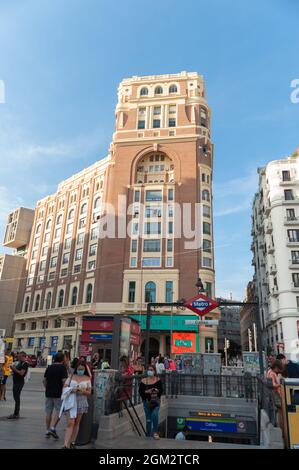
[(173, 89), (38, 228), (89, 294), (71, 213), (48, 300), (59, 219), (48, 226), (37, 300), (150, 292), (205, 195), (158, 90), (83, 208), (74, 295), (97, 203), (60, 298), (27, 304), (144, 91)]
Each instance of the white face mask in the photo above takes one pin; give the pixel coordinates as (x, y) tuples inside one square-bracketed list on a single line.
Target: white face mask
[(150, 373)]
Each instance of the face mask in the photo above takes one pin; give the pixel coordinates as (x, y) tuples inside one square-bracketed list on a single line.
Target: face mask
[(150, 373), (80, 372)]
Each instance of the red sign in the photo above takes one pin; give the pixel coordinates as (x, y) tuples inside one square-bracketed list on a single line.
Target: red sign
[(201, 304), (183, 342)]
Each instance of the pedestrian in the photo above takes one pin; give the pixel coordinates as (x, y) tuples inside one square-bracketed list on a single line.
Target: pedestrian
[(150, 390), (73, 365), (6, 373), (160, 368), (166, 363), (125, 367), (96, 360), (74, 402), (182, 435), (274, 373), (139, 367), (54, 379), (290, 369), (19, 372)]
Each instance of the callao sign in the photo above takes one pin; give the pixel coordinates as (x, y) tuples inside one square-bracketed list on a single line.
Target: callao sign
[(201, 304)]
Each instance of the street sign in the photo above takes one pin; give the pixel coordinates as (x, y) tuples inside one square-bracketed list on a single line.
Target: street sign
[(202, 322), (201, 304)]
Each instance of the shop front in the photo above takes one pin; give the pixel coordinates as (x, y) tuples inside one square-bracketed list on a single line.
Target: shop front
[(170, 335), (110, 336)]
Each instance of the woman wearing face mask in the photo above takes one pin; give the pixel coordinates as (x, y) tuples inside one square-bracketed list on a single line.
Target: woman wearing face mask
[(150, 390), (80, 385)]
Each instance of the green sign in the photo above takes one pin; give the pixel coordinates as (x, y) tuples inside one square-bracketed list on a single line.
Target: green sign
[(167, 322), (182, 342)]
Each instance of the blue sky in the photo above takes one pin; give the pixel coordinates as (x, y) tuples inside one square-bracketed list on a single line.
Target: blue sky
[(61, 62)]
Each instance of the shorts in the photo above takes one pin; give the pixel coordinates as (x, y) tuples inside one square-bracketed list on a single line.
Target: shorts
[(4, 380), (52, 404)]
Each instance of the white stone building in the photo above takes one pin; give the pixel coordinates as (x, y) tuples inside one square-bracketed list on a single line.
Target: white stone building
[(275, 246)]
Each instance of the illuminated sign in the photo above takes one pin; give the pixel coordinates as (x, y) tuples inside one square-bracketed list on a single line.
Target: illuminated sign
[(183, 342)]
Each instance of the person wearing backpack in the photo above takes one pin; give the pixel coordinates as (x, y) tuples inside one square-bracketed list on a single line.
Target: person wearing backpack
[(19, 372)]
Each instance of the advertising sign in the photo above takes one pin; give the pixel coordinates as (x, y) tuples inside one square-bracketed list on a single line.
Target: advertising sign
[(183, 342), (251, 362), (212, 424)]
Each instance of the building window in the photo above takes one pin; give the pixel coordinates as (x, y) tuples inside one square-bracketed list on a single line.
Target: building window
[(38, 228), (151, 262), (57, 323), (291, 214), (67, 342), (151, 245), (152, 228), (286, 176), (169, 291), (93, 250), (45, 324), (42, 265), (33, 325), (34, 253), (170, 210), (83, 208), (77, 268), (37, 301), (295, 257), (36, 241), (69, 229), (27, 304), (48, 226), (46, 237), (207, 246), (66, 258), (153, 211), (150, 292), (63, 272), (30, 342), (58, 233), (137, 196), (169, 244), (48, 300), (134, 246), (156, 123), (206, 211), (60, 298), (55, 248), (144, 91), (93, 234), (53, 263), (206, 228), (97, 203), (157, 110), (208, 289), (74, 295), (209, 345), (59, 219), (141, 124), (293, 235), (153, 195), (205, 195), (288, 195), (295, 277), (171, 122), (132, 288), (169, 261), (89, 294), (23, 327), (51, 276), (135, 228), (79, 254), (91, 265), (170, 227), (158, 90), (173, 89), (133, 262), (80, 238), (207, 262), (170, 194)]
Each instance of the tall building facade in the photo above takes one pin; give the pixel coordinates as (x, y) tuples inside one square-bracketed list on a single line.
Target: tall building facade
[(159, 167), (275, 230)]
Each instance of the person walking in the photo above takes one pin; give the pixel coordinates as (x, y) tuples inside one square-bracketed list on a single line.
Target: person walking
[(6, 373), (274, 373), (19, 372), (160, 368), (74, 402), (54, 379), (150, 390)]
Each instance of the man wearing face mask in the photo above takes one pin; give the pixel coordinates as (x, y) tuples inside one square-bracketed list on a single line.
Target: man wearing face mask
[(150, 390)]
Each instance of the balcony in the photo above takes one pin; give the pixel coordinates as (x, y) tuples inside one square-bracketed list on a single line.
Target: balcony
[(165, 176), (294, 287), (292, 242), (270, 249), (274, 291), (290, 201), (273, 269), (291, 220), (269, 227), (294, 263)]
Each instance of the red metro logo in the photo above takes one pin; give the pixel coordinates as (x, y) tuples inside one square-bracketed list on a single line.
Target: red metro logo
[(201, 304)]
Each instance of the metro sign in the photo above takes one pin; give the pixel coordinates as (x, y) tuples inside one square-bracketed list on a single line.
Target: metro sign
[(201, 304)]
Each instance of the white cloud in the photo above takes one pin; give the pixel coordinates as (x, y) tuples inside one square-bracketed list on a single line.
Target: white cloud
[(234, 195)]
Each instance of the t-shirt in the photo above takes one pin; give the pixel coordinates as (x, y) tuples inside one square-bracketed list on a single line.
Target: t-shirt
[(55, 374), (6, 365), (180, 437), (17, 378)]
